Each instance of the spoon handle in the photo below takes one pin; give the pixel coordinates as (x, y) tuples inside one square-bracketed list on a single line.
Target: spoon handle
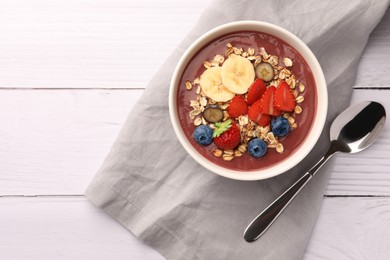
[(265, 219)]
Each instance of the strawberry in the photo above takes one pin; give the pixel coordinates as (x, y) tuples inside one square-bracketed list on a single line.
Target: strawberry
[(237, 107), (227, 135), (267, 102), (284, 98), (256, 90), (255, 114)]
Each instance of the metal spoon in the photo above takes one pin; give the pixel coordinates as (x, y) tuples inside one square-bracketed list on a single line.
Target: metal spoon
[(352, 131)]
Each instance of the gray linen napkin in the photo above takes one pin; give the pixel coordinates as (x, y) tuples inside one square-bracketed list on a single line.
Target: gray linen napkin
[(150, 185)]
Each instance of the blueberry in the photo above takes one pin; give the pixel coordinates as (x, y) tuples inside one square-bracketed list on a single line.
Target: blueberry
[(203, 134), (257, 147), (280, 126)]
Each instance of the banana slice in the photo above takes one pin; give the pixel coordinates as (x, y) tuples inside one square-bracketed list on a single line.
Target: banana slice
[(265, 71), (237, 74), (212, 87)]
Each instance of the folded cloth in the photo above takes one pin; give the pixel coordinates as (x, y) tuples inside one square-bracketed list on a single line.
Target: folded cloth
[(151, 185)]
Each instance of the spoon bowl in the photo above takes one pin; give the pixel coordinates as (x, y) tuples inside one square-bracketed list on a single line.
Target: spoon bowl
[(358, 126), (352, 131)]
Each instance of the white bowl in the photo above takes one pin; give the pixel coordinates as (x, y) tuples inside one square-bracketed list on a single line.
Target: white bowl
[(319, 117)]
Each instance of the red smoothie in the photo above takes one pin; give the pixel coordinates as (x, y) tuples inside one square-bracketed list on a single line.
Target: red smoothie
[(274, 46)]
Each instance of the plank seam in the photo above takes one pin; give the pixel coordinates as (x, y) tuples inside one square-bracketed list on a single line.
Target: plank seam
[(358, 196), (42, 196), (371, 88), (82, 195)]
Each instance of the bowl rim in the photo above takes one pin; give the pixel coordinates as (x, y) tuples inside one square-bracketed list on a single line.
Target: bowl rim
[(318, 121)]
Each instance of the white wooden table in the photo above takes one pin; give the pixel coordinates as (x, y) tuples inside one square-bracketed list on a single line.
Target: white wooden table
[(70, 71)]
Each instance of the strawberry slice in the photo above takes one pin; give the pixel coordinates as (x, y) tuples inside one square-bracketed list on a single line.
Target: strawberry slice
[(284, 98), (255, 114), (267, 102), (237, 107), (256, 91)]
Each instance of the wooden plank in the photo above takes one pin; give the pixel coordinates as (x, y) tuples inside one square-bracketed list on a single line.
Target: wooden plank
[(116, 44), (351, 228), (53, 141), (374, 65), (64, 228), (89, 44), (71, 228)]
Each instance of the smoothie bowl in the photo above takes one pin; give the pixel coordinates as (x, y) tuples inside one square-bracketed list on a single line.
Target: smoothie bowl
[(248, 100)]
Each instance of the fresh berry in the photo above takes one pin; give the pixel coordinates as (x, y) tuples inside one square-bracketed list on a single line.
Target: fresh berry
[(255, 114), (267, 102), (256, 91), (227, 135), (237, 107), (257, 147), (284, 98), (213, 114), (280, 126), (203, 134)]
